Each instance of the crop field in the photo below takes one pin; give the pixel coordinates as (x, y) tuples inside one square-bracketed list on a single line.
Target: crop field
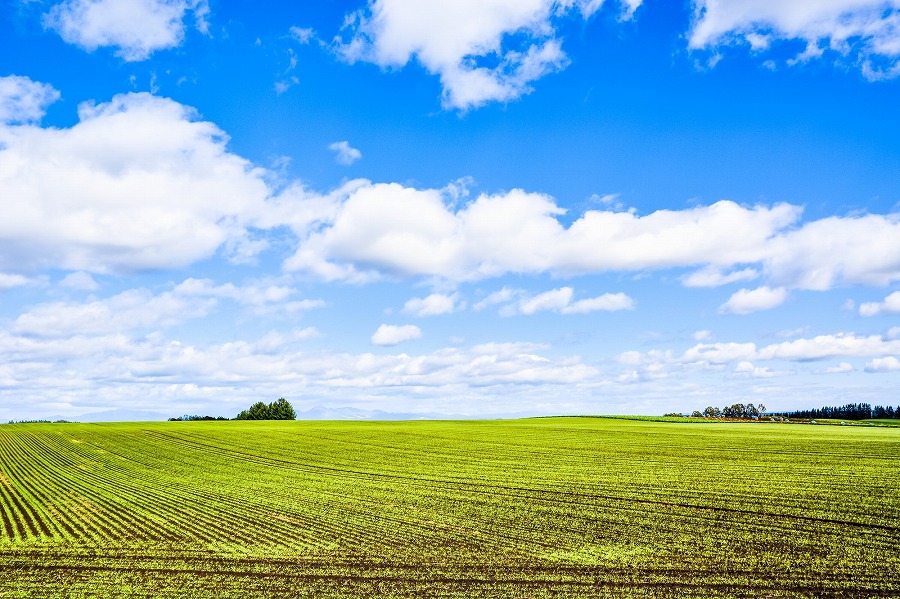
[(549, 507)]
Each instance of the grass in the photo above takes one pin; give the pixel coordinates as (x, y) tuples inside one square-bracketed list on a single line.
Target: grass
[(548, 507)]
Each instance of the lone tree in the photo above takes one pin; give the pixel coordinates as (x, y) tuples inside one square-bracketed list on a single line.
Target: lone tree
[(279, 409)]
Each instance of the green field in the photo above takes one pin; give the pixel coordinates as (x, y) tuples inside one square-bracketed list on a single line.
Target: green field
[(549, 507)]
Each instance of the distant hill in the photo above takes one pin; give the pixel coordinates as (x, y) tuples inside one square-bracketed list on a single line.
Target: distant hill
[(314, 413), (120, 415), (347, 413)]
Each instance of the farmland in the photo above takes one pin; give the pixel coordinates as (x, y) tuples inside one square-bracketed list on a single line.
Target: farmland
[(550, 507)]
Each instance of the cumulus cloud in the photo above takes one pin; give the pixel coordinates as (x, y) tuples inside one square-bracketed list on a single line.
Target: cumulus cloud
[(388, 334), (746, 301), (887, 364), (719, 353), (555, 299), (380, 229), (344, 154), (504, 296), (865, 31), (830, 346), (136, 28), (140, 309), (746, 369), (392, 229), (138, 183), (608, 302), (863, 250), (735, 360), (141, 183), (23, 100), (712, 276), (434, 305), (80, 280), (130, 310), (840, 368), (560, 300), (8, 281), (483, 51), (890, 305), (839, 345)]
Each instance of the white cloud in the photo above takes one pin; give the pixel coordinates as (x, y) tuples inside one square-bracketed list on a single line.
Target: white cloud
[(392, 334), (867, 31), (890, 305), (716, 357), (556, 300), (887, 364), (610, 201), (482, 50), (303, 35), (608, 302), (860, 250), (142, 183), (830, 346), (746, 369), (433, 305), (136, 28), (841, 368), (139, 309), (719, 353), (286, 84), (746, 301), (80, 280), (503, 296), (261, 297), (702, 335), (138, 183), (791, 333), (8, 281), (712, 276), (391, 229), (23, 100), (130, 310), (344, 154)]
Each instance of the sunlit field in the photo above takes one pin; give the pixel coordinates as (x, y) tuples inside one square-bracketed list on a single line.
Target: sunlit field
[(548, 507)]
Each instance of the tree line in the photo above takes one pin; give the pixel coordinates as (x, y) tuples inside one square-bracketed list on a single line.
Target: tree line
[(280, 409), (738, 410), (850, 411)]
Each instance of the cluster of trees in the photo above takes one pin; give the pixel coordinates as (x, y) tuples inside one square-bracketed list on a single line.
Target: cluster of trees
[(279, 409), (851, 411), (737, 410)]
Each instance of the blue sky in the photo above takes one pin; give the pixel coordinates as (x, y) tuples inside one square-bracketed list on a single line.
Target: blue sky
[(503, 206)]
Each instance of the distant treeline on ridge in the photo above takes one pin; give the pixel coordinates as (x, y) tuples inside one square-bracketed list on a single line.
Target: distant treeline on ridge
[(851, 411)]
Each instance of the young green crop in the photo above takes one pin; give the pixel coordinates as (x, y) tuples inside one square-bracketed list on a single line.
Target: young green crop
[(548, 507)]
